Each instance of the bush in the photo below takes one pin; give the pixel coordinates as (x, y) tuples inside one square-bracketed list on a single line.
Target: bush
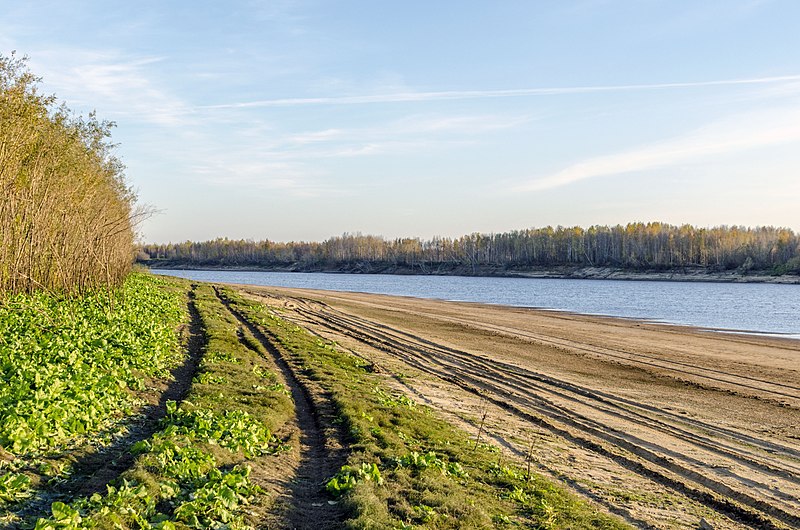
[(66, 217)]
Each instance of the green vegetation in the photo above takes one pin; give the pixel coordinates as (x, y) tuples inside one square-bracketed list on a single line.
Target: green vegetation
[(406, 467), (175, 470), (194, 472), (75, 370), (66, 214), (69, 365), (636, 246)]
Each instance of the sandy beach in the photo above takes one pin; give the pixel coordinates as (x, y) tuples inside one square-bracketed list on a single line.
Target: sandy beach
[(665, 426)]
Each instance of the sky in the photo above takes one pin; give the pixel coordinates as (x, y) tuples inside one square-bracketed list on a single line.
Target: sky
[(301, 120)]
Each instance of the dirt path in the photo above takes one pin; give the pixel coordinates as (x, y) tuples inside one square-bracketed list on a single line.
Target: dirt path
[(303, 501), (666, 426)]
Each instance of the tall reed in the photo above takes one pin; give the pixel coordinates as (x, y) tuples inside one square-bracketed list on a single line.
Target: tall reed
[(66, 213)]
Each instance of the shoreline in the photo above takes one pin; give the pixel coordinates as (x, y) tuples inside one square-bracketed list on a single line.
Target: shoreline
[(725, 324), (583, 273), (609, 319)]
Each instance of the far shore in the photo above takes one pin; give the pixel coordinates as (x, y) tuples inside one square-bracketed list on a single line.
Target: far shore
[(583, 273)]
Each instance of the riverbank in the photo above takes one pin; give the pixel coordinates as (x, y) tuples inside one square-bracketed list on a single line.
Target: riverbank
[(667, 426), (755, 307), (576, 273)]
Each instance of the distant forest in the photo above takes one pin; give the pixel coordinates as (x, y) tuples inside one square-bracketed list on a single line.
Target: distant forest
[(636, 246)]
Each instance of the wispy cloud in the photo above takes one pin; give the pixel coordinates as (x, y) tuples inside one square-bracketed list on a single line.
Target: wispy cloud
[(121, 85), (737, 133), (314, 137), (409, 135), (295, 164), (458, 124), (408, 97), (294, 178)]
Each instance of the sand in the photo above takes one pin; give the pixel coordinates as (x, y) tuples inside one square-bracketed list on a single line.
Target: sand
[(665, 426)]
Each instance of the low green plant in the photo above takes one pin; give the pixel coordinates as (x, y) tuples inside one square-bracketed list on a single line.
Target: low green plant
[(430, 460), (194, 472), (233, 429), (349, 476), (219, 500), (207, 378), (14, 486), (75, 370), (68, 365)]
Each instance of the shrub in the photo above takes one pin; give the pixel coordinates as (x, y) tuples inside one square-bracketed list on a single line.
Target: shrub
[(67, 215)]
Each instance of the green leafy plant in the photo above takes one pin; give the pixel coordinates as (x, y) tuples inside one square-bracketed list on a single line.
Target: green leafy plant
[(13, 486), (235, 429), (218, 500), (430, 460), (206, 378), (69, 365), (349, 476)]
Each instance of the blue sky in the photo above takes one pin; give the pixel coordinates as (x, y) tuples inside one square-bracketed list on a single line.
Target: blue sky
[(301, 120)]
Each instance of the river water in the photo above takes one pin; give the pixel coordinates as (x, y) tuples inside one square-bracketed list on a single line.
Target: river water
[(750, 307)]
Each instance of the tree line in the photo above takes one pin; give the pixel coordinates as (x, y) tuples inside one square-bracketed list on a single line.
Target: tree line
[(635, 246), (66, 213)]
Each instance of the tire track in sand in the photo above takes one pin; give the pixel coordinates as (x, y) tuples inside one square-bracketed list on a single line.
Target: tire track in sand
[(540, 399)]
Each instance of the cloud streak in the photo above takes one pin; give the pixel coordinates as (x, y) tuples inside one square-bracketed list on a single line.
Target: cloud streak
[(122, 86), (738, 133), (263, 173), (411, 97)]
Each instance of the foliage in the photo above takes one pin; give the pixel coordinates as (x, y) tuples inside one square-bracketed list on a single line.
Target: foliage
[(194, 472), (203, 495), (790, 267), (430, 460), (66, 215), (13, 486), (232, 429), (348, 476), (218, 500), (68, 365)]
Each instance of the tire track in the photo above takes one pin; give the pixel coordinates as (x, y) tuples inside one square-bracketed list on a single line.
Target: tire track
[(309, 503), (738, 437), (512, 388), (611, 404), (743, 438), (778, 391)]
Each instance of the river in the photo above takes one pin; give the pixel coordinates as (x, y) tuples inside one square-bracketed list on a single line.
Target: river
[(749, 307)]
